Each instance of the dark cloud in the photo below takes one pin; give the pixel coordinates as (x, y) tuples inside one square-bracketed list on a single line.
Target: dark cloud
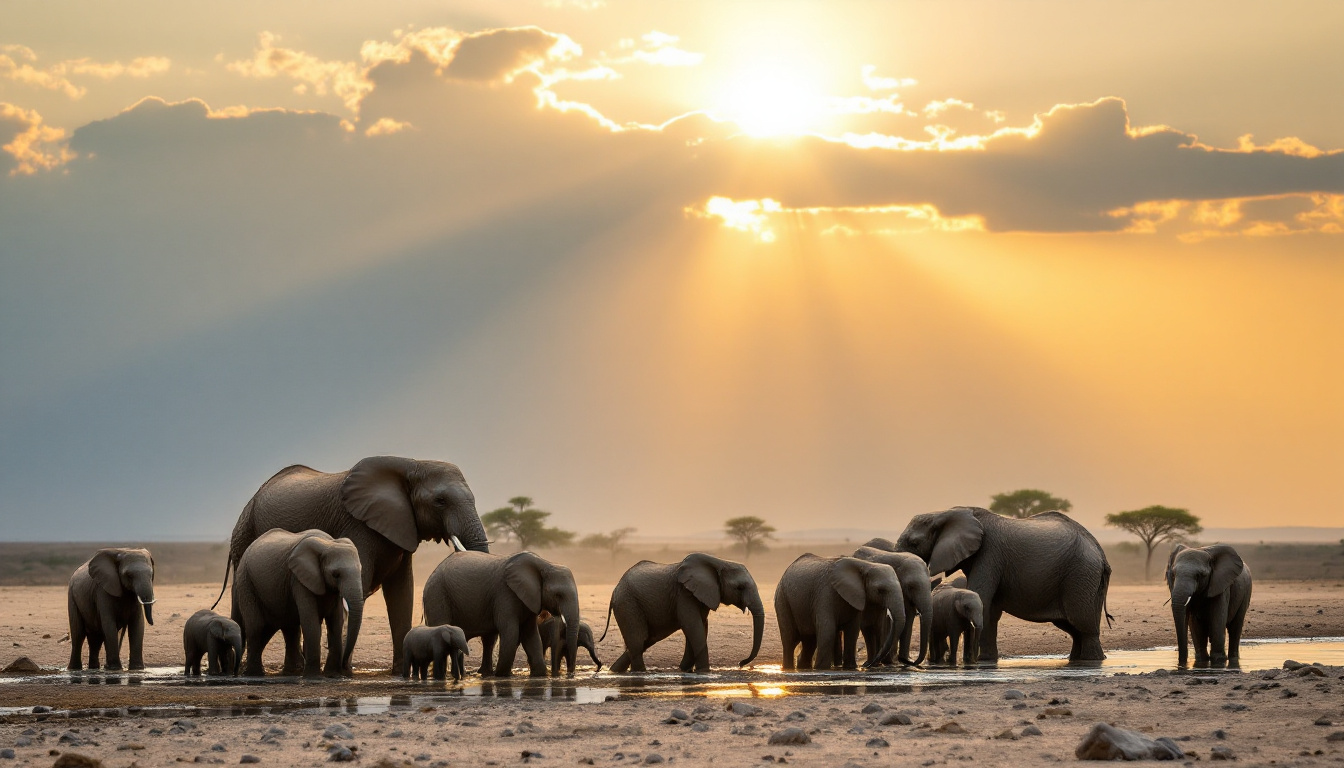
[(500, 54)]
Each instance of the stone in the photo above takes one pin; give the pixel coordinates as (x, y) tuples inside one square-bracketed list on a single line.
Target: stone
[(1221, 752), (877, 741), (1323, 720), (41, 710), (1006, 734), (337, 731), (1336, 736), (1220, 734), (857, 729), (1032, 730), (653, 758), (795, 716), (218, 748), (790, 736), (1055, 712), (1311, 672), (1107, 742), (951, 726), (76, 760), (249, 759), (1013, 694), (7, 754), (872, 709), (1291, 665), (896, 718), (507, 733), (744, 709), (22, 665), (340, 754), (679, 714), (700, 727)]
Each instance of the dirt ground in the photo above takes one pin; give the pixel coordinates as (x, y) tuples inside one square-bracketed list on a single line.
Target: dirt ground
[(1265, 717)]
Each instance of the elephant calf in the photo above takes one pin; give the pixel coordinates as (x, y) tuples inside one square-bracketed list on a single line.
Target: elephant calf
[(216, 637), (437, 645), (957, 613), (1210, 594), (653, 600), (553, 642), (821, 600), (113, 591)]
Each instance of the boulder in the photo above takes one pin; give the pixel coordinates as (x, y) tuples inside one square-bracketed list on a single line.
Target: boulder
[(1107, 742)]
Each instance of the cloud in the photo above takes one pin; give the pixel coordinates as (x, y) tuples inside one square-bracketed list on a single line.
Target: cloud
[(500, 55), (344, 79), (30, 145), (657, 49), (17, 65)]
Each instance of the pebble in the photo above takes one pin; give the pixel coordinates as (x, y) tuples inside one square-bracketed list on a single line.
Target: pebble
[(790, 736), (1006, 734), (794, 716), (951, 726), (679, 714), (700, 727), (218, 748), (41, 710), (896, 718), (75, 760), (1336, 736), (653, 758), (1107, 742), (23, 664), (7, 754), (1014, 694), (744, 709), (23, 741), (877, 741), (1032, 730), (1323, 720), (340, 754), (249, 759), (872, 709), (1221, 752), (337, 731)]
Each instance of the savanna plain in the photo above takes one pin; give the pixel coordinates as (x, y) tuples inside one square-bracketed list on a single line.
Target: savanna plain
[(1263, 714)]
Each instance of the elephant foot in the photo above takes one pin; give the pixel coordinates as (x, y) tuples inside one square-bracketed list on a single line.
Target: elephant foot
[(137, 666), (111, 668)]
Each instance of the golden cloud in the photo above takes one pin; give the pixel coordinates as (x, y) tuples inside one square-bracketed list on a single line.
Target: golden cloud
[(17, 65), (32, 145)]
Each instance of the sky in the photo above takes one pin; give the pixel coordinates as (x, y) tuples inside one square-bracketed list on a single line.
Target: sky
[(661, 264)]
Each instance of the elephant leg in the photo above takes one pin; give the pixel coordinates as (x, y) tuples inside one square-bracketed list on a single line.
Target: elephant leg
[(310, 623), (826, 632), (989, 637), (531, 642), (788, 635), (635, 635), (335, 621), (807, 655), (294, 658), (95, 650), (1199, 636), (1234, 625), (968, 648), (508, 649), (111, 634), (255, 638), (488, 654), (907, 633), (214, 657), (952, 641), (135, 639), (1218, 631), (872, 642), (695, 628), (399, 594), (1083, 615), (77, 636), (851, 650), (622, 663)]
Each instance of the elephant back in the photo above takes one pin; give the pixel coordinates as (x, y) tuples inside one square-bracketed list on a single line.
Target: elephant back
[(462, 591)]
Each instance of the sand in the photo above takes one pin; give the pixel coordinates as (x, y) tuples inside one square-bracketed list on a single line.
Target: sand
[(1265, 717)]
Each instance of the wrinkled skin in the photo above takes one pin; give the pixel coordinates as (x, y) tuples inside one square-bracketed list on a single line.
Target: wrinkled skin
[(1210, 595), (497, 597), (1043, 568), (914, 577), (553, 642), (822, 602), (385, 505), (218, 638), (113, 591), (957, 614), (443, 646), (653, 600), (293, 583)]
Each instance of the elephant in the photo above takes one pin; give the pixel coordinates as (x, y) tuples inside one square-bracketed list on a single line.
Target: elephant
[(653, 600), (957, 613), (1046, 567), (497, 597), (1210, 594), (386, 505), (553, 642), (219, 638), (292, 582), (821, 600), (915, 587), (439, 645), (111, 593)]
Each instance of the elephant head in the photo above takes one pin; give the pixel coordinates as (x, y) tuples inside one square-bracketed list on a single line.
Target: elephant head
[(119, 572), (943, 539), (543, 585), (410, 500), (228, 635), (866, 586), (716, 582), (916, 586), (326, 566), (1197, 572), (455, 640), (967, 605)]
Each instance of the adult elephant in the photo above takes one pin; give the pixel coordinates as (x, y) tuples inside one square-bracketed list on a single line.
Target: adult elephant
[(110, 594), (1046, 567), (385, 505), (823, 601), (1210, 594), (653, 600), (915, 588), (498, 597)]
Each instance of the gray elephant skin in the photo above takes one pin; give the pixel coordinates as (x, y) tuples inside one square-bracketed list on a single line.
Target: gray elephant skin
[(957, 615), (218, 638), (914, 577), (497, 597), (1044, 568), (293, 583), (386, 505), (653, 600), (112, 592), (553, 643), (1210, 594), (443, 646), (821, 602)]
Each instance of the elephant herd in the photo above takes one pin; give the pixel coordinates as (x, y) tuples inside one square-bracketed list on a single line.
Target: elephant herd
[(310, 547)]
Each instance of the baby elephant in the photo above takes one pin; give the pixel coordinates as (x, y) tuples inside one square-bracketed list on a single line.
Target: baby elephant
[(553, 642), (438, 645), (113, 591), (823, 602), (1210, 593), (217, 637), (957, 613)]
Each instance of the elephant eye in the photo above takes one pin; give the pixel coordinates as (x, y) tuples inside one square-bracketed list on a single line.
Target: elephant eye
[(440, 501)]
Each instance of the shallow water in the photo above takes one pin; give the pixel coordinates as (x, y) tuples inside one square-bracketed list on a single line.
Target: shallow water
[(761, 681)]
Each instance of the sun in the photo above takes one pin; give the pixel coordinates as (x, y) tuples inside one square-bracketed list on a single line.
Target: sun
[(772, 97)]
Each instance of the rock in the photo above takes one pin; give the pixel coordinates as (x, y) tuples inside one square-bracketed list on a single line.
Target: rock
[(22, 665), (1007, 734), (1235, 707), (340, 754), (507, 733), (218, 748), (1014, 694), (1336, 736), (1311, 672), (1221, 752), (951, 726), (337, 731), (75, 760), (653, 758), (249, 759), (857, 729), (7, 754), (744, 709), (1055, 712), (1291, 665), (896, 718), (679, 714), (795, 716), (877, 742), (41, 710), (790, 736), (1106, 742), (1220, 734), (871, 709), (1032, 730), (529, 754), (1323, 720), (700, 727), (207, 759)]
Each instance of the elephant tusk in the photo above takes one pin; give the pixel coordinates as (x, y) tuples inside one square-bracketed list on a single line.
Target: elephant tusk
[(457, 544), (1187, 600), (144, 602), (345, 605)]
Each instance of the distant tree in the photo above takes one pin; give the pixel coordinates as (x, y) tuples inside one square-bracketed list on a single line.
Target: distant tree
[(1027, 502), (1155, 525), (750, 531), (613, 542), (522, 523)]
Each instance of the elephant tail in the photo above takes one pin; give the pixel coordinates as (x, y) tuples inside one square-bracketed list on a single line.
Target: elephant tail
[(608, 627), (1106, 587), (225, 585)]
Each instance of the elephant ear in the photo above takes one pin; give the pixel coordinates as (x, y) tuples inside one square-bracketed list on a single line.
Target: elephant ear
[(699, 574), (935, 581), (522, 573), (1171, 560), (305, 562), (1227, 566), (847, 581), (958, 538), (377, 491), (105, 568)]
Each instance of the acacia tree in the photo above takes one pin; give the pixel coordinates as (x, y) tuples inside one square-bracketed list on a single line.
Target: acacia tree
[(525, 524), (1027, 502), (750, 531), (1155, 525), (612, 542)]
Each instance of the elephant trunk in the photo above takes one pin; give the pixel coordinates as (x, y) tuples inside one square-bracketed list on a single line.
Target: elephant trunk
[(472, 532), (570, 612), (236, 647), (895, 607), (143, 587), (924, 605), (353, 594), (1180, 599), (757, 627), (975, 617)]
